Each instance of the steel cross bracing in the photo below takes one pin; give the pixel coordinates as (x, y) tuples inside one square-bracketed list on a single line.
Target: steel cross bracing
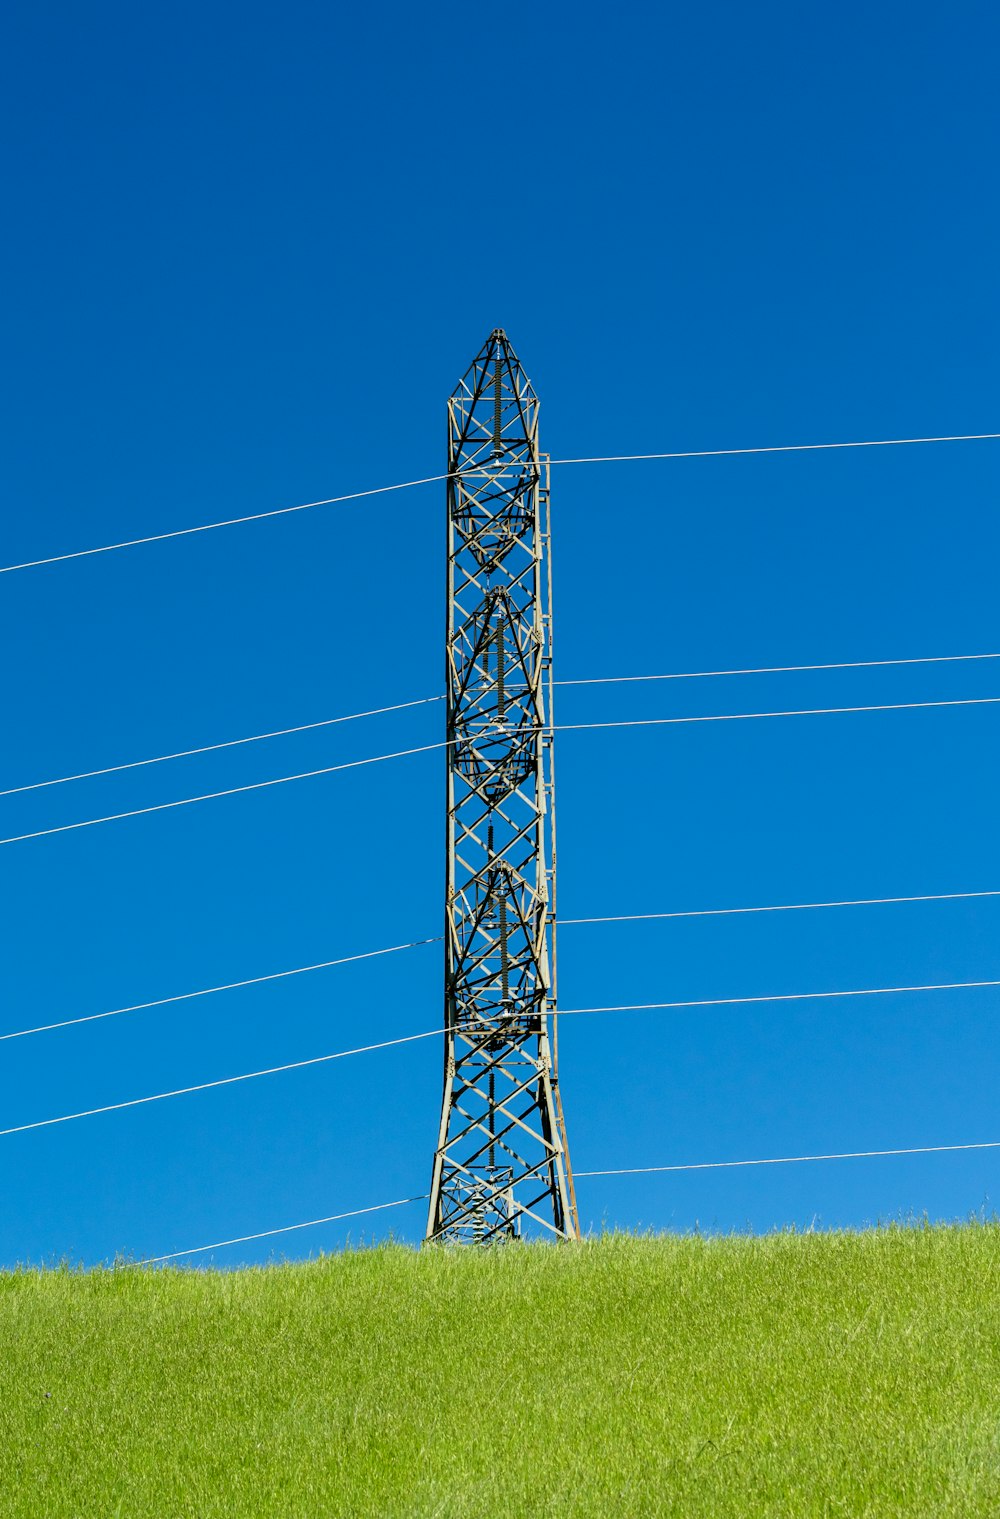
[(501, 1166)]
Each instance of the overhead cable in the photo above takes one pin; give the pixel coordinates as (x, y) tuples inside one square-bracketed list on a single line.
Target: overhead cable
[(852, 664), (701, 453), (209, 991), (778, 448), (392, 949), (295, 1065), (422, 701), (789, 1160), (205, 1086), (375, 759), (211, 796), (230, 743), (866, 991), (708, 1165), (208, 527), (740, 717), (242, 1239), (725, 912)]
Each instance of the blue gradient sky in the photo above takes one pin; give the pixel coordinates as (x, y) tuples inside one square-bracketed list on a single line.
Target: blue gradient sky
[(250, 250)]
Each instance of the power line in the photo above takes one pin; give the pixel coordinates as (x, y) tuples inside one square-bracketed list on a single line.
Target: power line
[(601, 680), (779, 448), (211, 796), (152, 1260), (639, 722), (704, 453), (723, 912), (867, 991), (209, 991), (205, 1086), (231, 743), (208, 527), (392, 949), (709, 1165), (422, 701), (295, 1065), (737, 717), (791, 1160), (853, 664)]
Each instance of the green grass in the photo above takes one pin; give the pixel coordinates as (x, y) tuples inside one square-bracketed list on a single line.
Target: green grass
[(798, 1375)]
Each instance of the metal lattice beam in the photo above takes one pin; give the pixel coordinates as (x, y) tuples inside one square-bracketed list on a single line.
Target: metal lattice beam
[(501, 1166)]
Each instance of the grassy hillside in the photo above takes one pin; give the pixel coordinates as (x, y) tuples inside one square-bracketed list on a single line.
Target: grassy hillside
[(793, 1375)]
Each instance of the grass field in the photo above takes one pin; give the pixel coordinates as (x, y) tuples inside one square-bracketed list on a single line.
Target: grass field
[(825, 1374)]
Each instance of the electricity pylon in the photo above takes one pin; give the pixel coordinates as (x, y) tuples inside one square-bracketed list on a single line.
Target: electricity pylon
[(501, 1166)]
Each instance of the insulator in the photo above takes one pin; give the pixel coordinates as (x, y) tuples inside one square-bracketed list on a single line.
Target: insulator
[(497, 393)]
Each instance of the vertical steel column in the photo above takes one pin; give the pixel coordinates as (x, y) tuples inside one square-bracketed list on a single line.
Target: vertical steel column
[(501, 1166)]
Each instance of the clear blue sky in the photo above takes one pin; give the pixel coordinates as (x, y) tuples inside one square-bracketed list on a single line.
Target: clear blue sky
[(249, 251)]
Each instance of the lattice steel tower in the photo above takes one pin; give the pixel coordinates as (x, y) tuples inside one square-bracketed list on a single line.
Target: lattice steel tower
[(501, 1165)]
